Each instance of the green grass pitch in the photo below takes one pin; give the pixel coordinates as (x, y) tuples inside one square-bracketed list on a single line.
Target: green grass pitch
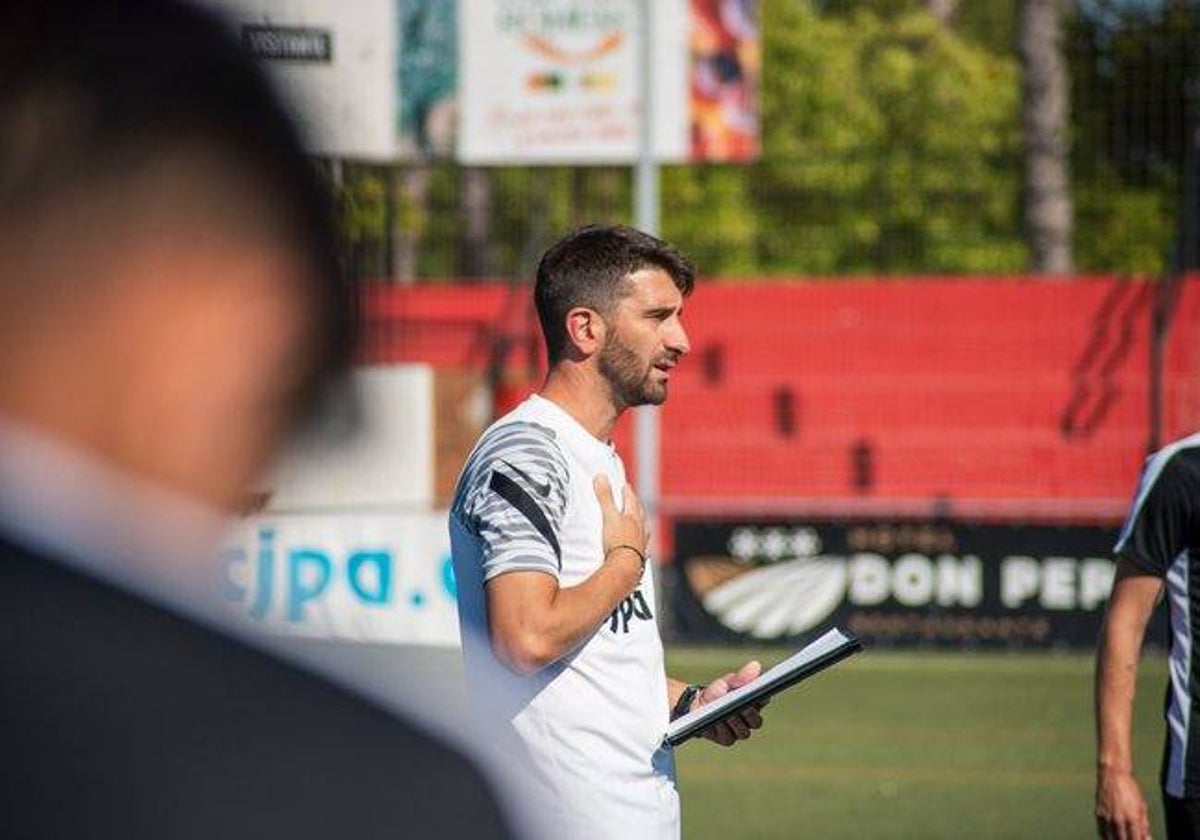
[(920, 744)]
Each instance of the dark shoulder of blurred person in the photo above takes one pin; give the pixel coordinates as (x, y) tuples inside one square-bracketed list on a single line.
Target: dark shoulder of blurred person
[(170, 308)]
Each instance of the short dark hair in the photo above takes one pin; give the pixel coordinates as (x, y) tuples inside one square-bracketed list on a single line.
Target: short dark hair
[(95, 92), (589, 267)]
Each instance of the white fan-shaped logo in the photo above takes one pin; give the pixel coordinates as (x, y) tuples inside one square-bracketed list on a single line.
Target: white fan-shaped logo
[(780, 599)]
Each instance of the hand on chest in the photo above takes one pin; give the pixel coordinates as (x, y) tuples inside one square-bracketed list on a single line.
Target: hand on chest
[(582, 529)]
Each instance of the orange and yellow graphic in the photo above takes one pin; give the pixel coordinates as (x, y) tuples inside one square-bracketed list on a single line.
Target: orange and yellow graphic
[(726, 67)]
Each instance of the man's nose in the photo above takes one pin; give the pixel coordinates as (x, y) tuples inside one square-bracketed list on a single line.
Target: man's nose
[(677, 340)]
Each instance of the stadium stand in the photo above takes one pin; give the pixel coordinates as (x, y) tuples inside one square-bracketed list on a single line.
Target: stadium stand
[(997, 397)]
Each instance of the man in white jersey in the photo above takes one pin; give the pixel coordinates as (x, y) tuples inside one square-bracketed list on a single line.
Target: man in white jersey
[(556, 600)]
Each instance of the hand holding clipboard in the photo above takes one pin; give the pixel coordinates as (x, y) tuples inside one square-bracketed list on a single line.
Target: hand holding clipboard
[(829, 649)]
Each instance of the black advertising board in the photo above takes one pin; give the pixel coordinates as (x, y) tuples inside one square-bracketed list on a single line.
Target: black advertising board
[(946, 584)]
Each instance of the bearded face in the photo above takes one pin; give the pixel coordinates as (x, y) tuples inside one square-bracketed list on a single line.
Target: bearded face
[(635, 378), (643, 339)]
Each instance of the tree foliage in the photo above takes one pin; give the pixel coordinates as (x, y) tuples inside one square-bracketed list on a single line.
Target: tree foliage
[(889, 145), (1132, 62)]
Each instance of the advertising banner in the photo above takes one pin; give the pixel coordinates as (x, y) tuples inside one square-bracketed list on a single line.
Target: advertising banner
[(382, 578), (371, 80), (335, 64), (950, 584), (427, 88), (725, 70), (558, 81)]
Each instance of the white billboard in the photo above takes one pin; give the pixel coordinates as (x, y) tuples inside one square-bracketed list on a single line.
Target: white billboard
[(335, 65), (558, 81), (499, 82)]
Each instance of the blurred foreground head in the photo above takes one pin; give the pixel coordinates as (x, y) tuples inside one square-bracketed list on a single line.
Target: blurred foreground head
[(170, 299)]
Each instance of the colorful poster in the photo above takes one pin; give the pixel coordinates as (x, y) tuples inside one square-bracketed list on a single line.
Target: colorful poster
[(725, 71), (427, 77)]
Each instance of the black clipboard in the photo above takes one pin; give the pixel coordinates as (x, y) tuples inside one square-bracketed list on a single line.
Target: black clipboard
[(831, 648)]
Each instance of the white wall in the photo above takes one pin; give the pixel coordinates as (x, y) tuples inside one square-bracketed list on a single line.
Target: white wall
[(388, 465)]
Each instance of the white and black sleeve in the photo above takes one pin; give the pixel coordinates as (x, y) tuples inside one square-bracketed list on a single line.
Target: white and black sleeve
[(519, 498)]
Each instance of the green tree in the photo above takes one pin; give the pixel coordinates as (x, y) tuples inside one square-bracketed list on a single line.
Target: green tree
[(889, 145), (1132, 63)]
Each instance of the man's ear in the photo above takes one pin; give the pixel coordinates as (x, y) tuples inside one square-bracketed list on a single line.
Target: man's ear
[(585, 330)]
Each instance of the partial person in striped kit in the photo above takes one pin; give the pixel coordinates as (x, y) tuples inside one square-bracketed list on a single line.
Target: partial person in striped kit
[(1157, 551)]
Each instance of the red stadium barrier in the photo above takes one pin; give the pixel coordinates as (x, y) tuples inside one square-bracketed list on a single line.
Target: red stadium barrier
[(1010, 397)]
